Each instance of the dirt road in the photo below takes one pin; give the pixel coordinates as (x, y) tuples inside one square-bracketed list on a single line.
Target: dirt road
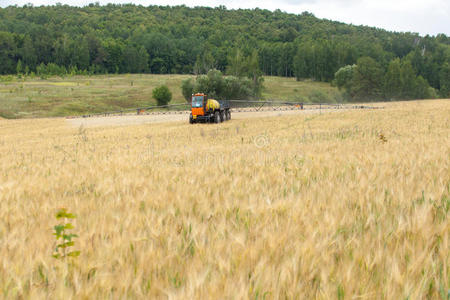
[(181, 117)]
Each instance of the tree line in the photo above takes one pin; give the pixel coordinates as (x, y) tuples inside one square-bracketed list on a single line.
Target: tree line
[(367, 80), (94, 39)]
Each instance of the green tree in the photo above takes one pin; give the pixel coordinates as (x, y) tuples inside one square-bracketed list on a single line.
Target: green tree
[(343, 79), (408, 79), (8, 49), (237, 88), (135, 60), (393, 86), (267, 58), (28, 53), (367, 80), (401, 82), (81, 54), (19, 67), (142, 61), (114, 49), (211, 84), (204, 63), (187, 88), (301, 62), (215, 85), (422, 89), (97, 54), (286, 52), (236, 64), (444, 80), (158, 65), (325, 61), (254, 73), (62, 51), (162, 95)]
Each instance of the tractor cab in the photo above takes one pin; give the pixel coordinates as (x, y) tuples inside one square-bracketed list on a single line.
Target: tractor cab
[(198, 104)]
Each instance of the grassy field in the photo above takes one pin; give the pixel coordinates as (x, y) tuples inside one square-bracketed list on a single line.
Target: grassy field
[(34, 97), (282, 88), (344, 205)]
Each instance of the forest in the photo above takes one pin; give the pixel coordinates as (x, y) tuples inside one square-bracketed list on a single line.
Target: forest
[(366, 63)]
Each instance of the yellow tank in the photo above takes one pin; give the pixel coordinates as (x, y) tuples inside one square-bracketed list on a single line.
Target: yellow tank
[(212, 104)]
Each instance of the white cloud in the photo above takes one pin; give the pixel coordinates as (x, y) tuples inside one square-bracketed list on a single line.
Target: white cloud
[(426, 17)]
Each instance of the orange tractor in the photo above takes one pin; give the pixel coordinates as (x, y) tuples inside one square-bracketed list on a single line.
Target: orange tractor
[(208, 110)]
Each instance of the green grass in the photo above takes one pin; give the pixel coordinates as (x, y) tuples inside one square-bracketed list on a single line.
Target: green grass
[(77, 95), (282, 88)]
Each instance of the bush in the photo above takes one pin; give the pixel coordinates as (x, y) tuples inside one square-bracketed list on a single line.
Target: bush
[(6, 114), (318, 96), (432, 93), (423, 89), (237, 88), (343, 76), (6, 78), (187, 87), (50, 70), (162, 95), (211, 84), (215, 85)]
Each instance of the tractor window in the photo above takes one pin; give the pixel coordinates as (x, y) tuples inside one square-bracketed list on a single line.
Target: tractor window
[(197, 101)]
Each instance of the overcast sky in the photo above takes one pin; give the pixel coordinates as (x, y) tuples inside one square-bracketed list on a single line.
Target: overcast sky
[(422, 16)]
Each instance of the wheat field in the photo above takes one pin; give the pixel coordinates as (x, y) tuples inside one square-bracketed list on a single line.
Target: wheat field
[(344, 205)]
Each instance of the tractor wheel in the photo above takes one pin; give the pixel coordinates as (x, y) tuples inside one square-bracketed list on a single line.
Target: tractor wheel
[(191, 120), (216, 117), (229, 115), (222, 116)]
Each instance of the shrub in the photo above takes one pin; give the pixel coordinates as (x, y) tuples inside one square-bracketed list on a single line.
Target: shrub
[(7, 114), (318, 96), (215, 85), (162, 95), (6, 78), (343, 80), (187, 87), (237, 88), (64, 239), (50, 70)]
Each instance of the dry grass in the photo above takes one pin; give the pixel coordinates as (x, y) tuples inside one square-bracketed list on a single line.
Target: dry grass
[(297, 207)]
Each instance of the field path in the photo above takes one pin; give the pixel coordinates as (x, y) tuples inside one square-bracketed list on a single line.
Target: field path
[(182, 117)]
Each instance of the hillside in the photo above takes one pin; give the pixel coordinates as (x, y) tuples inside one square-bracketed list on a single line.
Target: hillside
[(182, 40), (77, 95)]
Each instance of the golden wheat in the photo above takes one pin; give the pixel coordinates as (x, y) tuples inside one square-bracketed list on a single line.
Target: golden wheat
[(337, 205)]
